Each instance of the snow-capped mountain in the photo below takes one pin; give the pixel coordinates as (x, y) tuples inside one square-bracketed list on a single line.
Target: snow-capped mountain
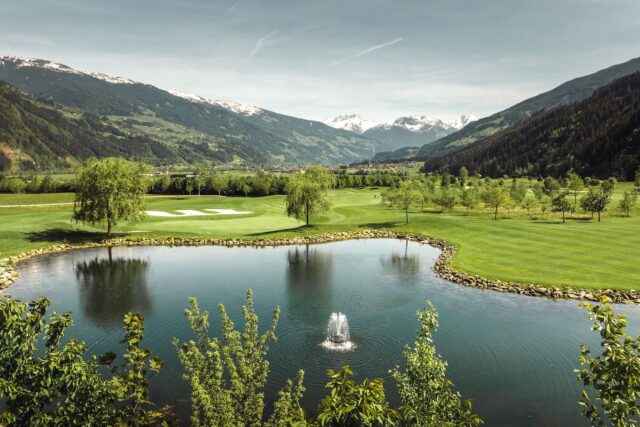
[(61, 68), (351, 122), (415, 123), (402, 132)]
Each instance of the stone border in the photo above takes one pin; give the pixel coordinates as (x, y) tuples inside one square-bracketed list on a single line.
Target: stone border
[(9, 274)]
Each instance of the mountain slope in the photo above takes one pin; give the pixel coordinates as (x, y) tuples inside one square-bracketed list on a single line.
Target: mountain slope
[(599, 136), (279, 139), (569, 92), (35, 135)]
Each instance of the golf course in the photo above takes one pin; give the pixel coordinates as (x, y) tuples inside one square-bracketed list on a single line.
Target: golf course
[(520, 247)]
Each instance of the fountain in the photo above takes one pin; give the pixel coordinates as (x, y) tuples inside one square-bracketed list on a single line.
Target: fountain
[(338, 337)]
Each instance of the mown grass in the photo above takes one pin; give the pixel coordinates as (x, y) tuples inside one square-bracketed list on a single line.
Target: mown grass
[(580, 253)]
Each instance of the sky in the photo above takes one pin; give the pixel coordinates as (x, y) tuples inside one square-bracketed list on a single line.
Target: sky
[(321, 58)]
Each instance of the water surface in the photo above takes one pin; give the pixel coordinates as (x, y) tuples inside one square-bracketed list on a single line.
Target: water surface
[(512, 355)]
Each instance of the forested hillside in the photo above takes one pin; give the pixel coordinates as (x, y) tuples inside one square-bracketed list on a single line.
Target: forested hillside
[(598, 137), (257, 137), (38, 135), (572, 91)]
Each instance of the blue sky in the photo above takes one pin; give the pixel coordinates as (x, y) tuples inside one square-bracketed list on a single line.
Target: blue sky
[(321, 58)]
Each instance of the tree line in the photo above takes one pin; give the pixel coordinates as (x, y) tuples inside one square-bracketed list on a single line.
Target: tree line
[(447, 191), (204, 181), (46, 379)]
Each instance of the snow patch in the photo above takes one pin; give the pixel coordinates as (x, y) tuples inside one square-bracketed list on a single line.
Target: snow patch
[(20, 62), (351, 122), (234, 107)]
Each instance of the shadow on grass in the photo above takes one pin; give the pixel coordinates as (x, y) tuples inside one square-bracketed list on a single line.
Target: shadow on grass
[(381, 225), (65, 235), (299, 229)]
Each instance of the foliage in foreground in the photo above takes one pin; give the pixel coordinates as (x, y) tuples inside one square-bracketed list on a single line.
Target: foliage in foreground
[(227, 375), (52, 383), (427, 394), (614, 374), (58, 386)]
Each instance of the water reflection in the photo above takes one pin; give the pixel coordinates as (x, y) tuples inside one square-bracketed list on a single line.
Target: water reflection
[(309, 278), (405, 264), (111, 287)]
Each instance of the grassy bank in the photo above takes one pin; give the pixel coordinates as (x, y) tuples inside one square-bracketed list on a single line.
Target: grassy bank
[(580, 253)]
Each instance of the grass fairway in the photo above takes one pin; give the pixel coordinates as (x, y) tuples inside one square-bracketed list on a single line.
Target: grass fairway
[(580, 253)]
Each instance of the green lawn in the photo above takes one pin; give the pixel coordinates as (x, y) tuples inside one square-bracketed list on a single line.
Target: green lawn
[(580, 253)]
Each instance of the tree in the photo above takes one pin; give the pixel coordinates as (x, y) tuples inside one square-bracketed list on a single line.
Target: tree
[(188, 185), (307, 193), (636, 182), (560, 204), (351, 404), (110, 190), (597, 199), (538, 190), (469, 198), (494, 196), (517, 191), (550, 186), (529, 203), (628, 202), (219, 183), (13, 185), (463, 175), (406, 195), (162, 184), (47, 185), (228, 375), (199, 178), (574, 184), (427, 395), (446, 198), (614, 374)]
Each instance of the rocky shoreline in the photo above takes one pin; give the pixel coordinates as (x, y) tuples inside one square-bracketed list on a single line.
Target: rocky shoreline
[(9, 273)]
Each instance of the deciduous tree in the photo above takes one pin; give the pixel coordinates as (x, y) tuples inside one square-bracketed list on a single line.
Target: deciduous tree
[(494, 196), (560, 204), (628, 202), (307, 193), (110, 190)]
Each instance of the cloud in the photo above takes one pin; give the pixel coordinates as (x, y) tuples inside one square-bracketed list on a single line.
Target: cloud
[(262, 41), (366, 51), (221, 18)]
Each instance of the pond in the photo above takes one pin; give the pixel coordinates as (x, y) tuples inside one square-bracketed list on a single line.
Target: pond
[(512, 355)]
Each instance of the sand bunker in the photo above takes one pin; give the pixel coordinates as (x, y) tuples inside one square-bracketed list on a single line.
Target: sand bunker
[(191, 212), (228, 211)]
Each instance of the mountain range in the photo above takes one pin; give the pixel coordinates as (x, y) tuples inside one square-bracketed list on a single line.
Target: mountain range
[(54, 116), (191, 127), (567, 93), (406, 131)]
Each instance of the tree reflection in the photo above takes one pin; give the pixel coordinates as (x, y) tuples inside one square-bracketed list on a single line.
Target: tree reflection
[(310, 279), (109, 288), (404, 263)]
